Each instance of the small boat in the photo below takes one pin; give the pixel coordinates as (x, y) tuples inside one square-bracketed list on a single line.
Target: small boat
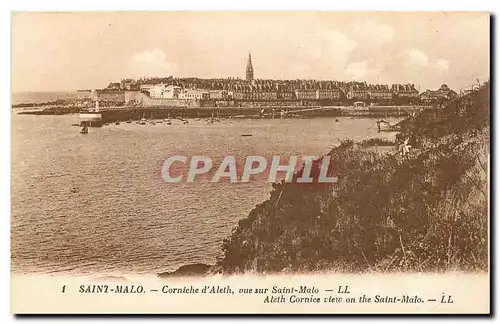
[(84, 130), (152, 122), (129, 121), (143, 121), (117, 123), (159, 121), (185, 122), (336, 120), (385, 126), (246, 135), (138, 122), (107, 124)]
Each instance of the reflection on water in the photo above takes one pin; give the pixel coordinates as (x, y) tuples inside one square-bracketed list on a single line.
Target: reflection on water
[(97, 202)]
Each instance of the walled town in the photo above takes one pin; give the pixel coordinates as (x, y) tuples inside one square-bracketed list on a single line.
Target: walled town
[(251, 92)]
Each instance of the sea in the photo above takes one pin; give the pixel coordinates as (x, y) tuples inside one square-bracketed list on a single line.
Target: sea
[(40, 96), (97, 203)]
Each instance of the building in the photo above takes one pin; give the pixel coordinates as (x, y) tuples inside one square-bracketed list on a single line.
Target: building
[(171, 92), (145, 87), (380, 92), (442, 94), (218, 94), (84, 94), (194, 94), (156, 92), (249, 69), (330, 94), (240, 92), (161, 91), (128, 84), (357, 92), (109, 95), (404, 91), (264, 94), (305, 94), (286, 95)]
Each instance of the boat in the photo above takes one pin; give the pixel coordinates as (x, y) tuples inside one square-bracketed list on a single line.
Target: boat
[(152, 122), (246, 135), (117, 123), (185, 122), (138, 122), (143, 121), (159, 121), (129, 121), (385, 126), (84, 130)]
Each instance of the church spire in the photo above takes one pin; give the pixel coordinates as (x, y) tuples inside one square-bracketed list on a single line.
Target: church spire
[(249, 69)]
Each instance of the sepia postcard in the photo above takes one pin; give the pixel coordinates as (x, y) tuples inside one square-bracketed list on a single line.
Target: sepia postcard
[(250, 162)]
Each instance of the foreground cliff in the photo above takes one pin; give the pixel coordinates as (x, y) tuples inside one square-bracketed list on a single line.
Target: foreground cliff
[(426, 211)]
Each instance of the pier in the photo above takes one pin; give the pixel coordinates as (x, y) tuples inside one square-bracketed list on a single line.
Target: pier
[(124, 113), (111, 114)]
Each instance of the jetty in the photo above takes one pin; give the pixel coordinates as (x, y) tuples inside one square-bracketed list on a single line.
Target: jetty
[(125, 113)]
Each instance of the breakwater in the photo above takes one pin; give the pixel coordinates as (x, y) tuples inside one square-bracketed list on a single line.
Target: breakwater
[(122, 113)]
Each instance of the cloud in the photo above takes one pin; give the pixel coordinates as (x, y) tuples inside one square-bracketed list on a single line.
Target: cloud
[(373, 39), (151, 63), (417, 58), (332, 44), (442, 65)]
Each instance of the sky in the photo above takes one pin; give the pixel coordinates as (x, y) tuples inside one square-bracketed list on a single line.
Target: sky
[(65, 51)]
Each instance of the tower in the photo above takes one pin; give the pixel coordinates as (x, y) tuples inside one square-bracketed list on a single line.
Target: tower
[(249, 69)]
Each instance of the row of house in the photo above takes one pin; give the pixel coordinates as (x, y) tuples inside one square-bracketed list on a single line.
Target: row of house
[(277, 92), (163, 91), (265, 90)]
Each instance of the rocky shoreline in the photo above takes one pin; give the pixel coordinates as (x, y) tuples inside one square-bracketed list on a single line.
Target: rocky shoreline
[(195, 269)]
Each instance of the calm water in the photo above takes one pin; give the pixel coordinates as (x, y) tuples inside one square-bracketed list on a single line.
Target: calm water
[(97, 202)]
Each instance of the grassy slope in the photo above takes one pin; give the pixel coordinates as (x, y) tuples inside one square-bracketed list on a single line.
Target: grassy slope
[(424, 212)]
